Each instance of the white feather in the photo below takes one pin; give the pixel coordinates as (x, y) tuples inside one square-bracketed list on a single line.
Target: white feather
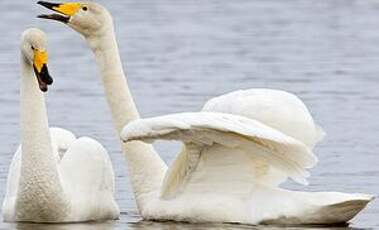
[(276, 108), (229, 170), (204, 130)]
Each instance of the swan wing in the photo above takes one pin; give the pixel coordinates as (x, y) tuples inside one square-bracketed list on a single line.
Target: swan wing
[(275, 108), (88, 178), (87, 167), (61, 140), (221, 143), (12, 186)]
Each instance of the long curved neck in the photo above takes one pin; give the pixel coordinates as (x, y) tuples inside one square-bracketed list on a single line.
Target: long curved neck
[(146, 168), (39, 185)]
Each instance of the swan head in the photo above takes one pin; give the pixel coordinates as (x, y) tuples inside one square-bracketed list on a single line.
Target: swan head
[(33, 48), (87, 18)]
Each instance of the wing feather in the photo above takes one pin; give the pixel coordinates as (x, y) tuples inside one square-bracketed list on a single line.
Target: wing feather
[(61, 139), (202, 131)]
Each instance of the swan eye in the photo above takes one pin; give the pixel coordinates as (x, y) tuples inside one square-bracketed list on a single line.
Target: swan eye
[(85, 8), (32, 47)]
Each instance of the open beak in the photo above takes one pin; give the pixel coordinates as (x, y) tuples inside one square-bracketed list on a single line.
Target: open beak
[(65, 10), (41, 71)]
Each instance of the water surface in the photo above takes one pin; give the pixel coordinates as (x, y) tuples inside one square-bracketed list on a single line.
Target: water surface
[(178, 54)]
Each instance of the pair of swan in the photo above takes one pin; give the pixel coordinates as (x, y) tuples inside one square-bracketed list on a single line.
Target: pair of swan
[(236, 152)]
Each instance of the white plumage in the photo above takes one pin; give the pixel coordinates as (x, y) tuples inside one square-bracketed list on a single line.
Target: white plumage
[(230, 166), (276, 108), (86, 174), (61, 140), (54, 177), (203, 129), (236, 152)]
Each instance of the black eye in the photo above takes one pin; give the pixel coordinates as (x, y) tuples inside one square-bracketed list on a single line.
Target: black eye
[(32, 47), (85, 8)]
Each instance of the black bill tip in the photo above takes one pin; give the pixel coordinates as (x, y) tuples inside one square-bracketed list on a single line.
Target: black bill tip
[(48, 5), (56, 17), (43, 88), (43, 77)]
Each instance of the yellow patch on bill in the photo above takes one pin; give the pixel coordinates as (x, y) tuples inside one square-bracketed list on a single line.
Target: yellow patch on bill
[(40, 58), (68, 9)]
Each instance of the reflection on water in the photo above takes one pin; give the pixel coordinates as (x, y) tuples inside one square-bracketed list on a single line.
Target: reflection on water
[(180, 53), (148, 225)]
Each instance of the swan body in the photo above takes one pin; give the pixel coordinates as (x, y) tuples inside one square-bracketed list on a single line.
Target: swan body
[(54, 176), (229, 171), (236, 152)]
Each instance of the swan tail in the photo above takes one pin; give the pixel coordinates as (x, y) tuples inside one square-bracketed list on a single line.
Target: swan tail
[(324, 208), (343, 212)]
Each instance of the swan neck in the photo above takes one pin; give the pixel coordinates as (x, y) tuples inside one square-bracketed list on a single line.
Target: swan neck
[(34, 123), (114, 80), (39, 178), (146, 169)]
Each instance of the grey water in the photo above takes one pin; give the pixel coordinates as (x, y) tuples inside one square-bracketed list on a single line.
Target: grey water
[(179, 53)]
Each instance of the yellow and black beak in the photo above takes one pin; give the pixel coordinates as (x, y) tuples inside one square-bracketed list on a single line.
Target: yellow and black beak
[(65, 10), (40, 69)]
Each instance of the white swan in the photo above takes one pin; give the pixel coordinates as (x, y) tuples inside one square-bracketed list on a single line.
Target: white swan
[(229, 171), (53, 177), (231, 165)]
